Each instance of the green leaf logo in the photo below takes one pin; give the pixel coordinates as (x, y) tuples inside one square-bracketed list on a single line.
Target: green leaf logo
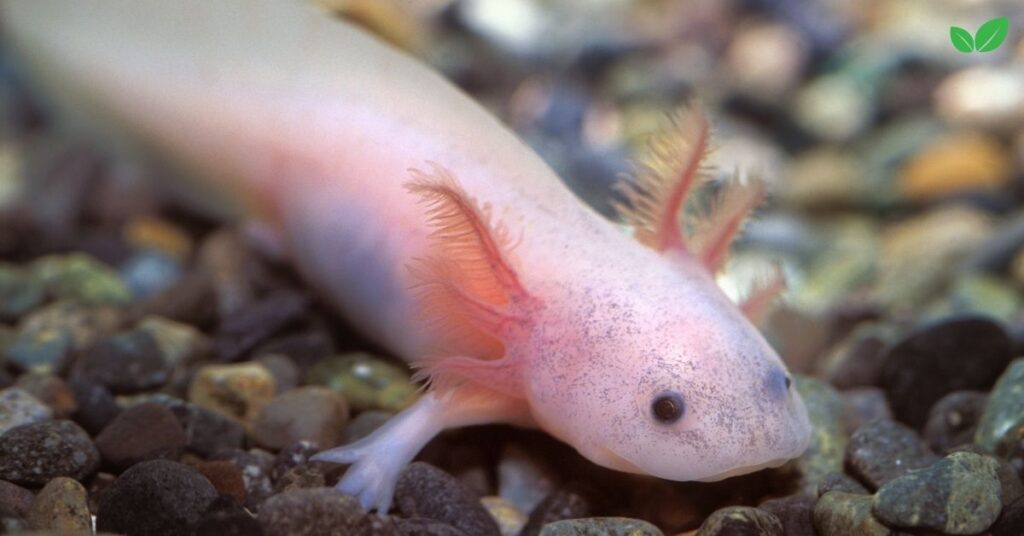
[(988, 37)]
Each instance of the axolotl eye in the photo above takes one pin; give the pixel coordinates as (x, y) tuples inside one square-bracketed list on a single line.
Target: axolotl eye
[(668, 407)]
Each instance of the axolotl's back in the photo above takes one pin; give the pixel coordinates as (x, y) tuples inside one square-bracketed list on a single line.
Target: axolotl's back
[(520, 303)]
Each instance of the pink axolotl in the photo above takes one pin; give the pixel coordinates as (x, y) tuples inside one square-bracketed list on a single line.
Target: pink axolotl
[(435, 230)]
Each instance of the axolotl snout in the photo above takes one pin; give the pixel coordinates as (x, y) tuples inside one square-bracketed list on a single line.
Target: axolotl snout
[(428, 225)]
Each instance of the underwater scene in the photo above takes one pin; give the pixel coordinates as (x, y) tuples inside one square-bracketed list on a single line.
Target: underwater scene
[(512, 267)]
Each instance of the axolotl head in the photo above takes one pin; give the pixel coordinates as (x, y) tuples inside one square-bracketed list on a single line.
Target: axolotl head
[(679, 385)]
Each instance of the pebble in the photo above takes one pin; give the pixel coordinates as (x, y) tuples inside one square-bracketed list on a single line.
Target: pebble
[(96, 406), (1010, 484), (225, 476), (50, 390), (238, 391), (857, 360), (364, 424), (33, 454), (365, 381), (958, 162), (795, 512), (18, 407), (559, 505), (146, 232), (740, 520), (62, 505), (11, 523), (155, 498), (206, 432), (313, 512), (19, 292), (1001, 426), (240, 333), (841, 482), (847, 514), (954, 354), (863, 405), (225, 517), (46, 337), (603, 526), (510, 519), (953, 420), (959, 494), (255, 466), (81, 279), (426, 491), (828, 440), (147, 431), (421, 526), (310, 413), (46, 348), (286, 374), (15, 498), (885, 449), (308, 475), (125, 363), (178, 343), (1002, 104), (148, 273)]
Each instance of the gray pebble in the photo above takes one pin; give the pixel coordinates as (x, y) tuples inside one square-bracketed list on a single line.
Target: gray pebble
[(885, 449), (33, 454), (741, 520), (601, 526), (313, 512), (17, 407), (426, 491), (953, 420)]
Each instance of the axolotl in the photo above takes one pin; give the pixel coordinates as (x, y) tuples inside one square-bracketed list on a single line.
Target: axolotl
[(437, 232)]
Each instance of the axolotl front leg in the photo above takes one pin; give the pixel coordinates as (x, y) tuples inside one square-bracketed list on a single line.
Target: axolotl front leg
[(378, 459), (471, 289)]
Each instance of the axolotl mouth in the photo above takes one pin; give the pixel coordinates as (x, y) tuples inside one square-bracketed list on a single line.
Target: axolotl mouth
[(622, 463)]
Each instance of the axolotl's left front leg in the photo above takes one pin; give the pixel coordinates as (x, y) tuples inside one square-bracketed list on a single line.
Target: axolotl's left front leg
[(378, 459)]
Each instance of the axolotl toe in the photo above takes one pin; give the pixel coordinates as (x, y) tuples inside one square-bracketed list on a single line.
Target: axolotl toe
[(432, 228)]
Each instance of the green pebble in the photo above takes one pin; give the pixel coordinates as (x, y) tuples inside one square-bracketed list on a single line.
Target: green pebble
[(365, 381), (19, 291), (80, 278), (1001, 427), (959, 494), (849, 514), (600, 526), (828, 441), (741, 520)]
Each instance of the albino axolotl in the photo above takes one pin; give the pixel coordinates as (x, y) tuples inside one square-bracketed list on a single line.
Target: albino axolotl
[(431, 227)]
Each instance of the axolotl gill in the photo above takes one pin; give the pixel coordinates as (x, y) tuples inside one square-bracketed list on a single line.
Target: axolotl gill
[(433, 229)]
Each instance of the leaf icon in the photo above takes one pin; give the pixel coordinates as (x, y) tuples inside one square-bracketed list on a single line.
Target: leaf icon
[(961, 38), (992, 34)]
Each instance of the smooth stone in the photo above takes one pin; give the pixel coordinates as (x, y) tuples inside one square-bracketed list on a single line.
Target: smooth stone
[(601, 526), (828, 440), (795, 512), (740, 520), (96, 406), (857, 360), (33, 454), (426, 491), (61, 505), (15, 498), (841, 482), (559, 505), (46, 348), (313, 512), (847, 514), (285, 372), (225, 476), (955, 354), (1001, 426), (19, 292), (510, 519), (50, 390), (206, 432), (46, 339), (157, 497), (241, 332), (125, 363), (1010, 484), (18, 407), (148, 273), (885, 449), (79, 278), (238, 391), (225, 517), (862, 405), (147, 431), (11, 522), (421, 526), (178, 343), (954, 164), (953, 420), (959, 494), (365, 381), (364, 424), (310, 413), (304, 348)]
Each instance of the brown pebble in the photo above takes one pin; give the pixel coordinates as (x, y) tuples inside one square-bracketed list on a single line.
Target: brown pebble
[(225, 476), (15, 498), (61, 505), (145, 432), (309, 413), (52, 391)]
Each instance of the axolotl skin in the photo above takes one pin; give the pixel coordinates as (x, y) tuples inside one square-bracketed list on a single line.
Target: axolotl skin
[(431, 227)]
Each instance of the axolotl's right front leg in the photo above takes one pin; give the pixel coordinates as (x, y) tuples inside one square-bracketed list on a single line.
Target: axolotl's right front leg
[(378, 459)]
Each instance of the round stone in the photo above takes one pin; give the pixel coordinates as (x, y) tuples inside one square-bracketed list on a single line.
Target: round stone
[(885, 449), (144, 432), (18, 407), (309, 413), (239, 391), (426, 491), (956, 354), (158, 497), (740, 520), (313, 511), (125, 363), (366, 382), (1001, 426), (33, 454), (839, 512), (62, 505), (602, 525), (953, 420)]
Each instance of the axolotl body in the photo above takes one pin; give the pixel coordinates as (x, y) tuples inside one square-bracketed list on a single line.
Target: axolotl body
[(431, 227)]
